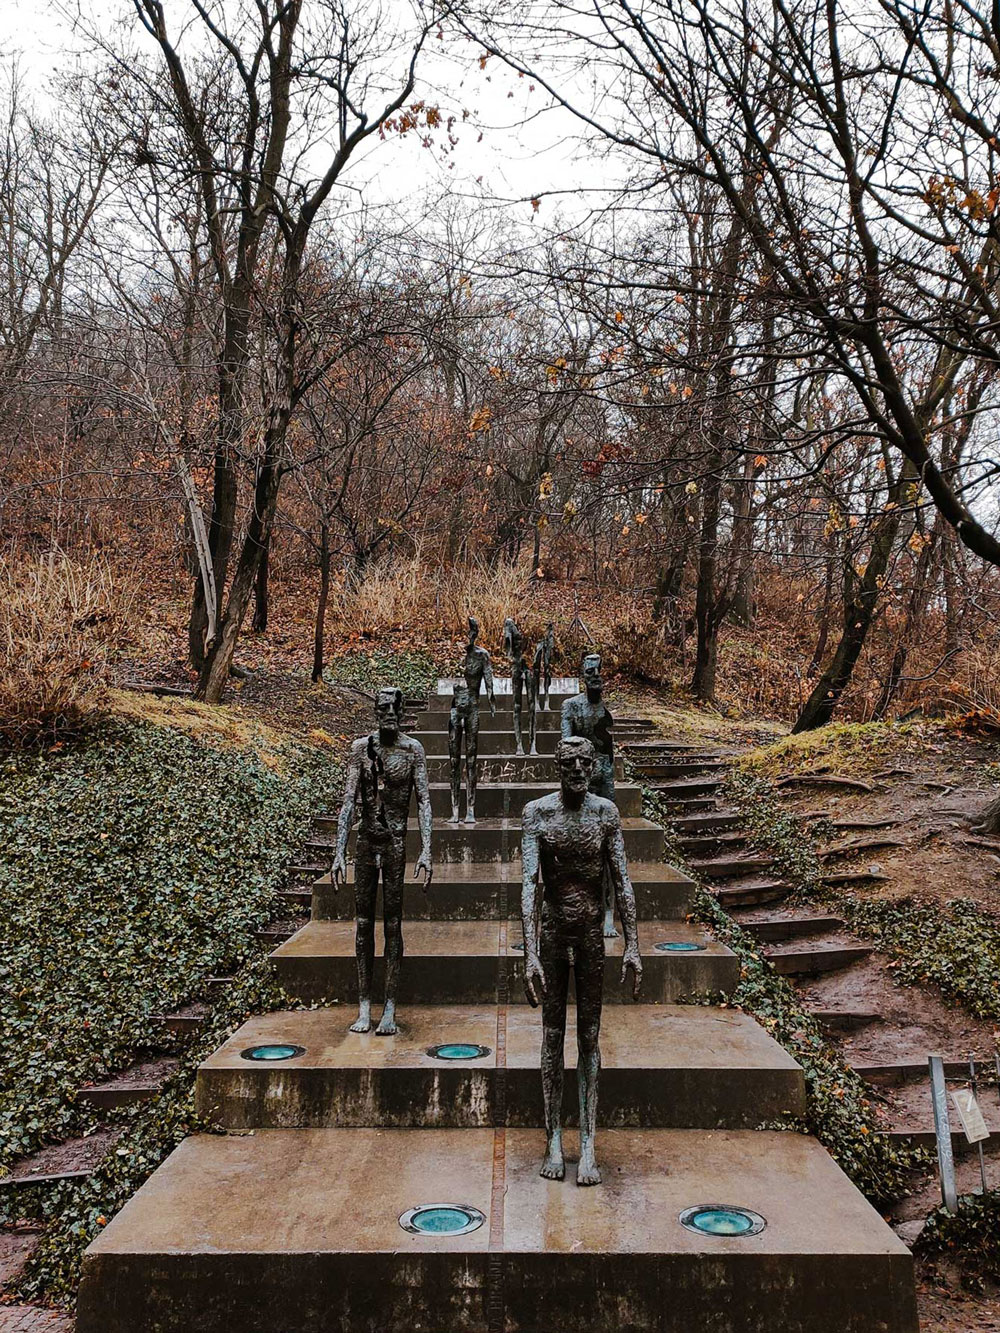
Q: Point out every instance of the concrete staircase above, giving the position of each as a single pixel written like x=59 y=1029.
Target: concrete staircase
x=293 y=1220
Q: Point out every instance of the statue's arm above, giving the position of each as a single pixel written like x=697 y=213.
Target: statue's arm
x=424 y=816
x=534 y=977
x=624 y=897
x=566 y=720
x=488 y=681
x=345 y=820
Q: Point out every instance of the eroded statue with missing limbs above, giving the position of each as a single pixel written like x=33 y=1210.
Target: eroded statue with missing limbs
x=384 y=770
x=463 y=724
x=522 y=685
x=567 y=840
x=586 y=714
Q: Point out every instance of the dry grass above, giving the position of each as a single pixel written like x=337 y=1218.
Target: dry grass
x=61 y=621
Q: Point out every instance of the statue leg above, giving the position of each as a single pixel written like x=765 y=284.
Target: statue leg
x=555 y=963
x=548 y=686
x=603 y=784
x=530 y=684
x=515 y=687
x=455 y=760
x=393 y=871
x=366 y=874
x=471 y=764
x=589 y=971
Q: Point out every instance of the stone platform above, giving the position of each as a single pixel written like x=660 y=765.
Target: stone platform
x=674 y=1067
x=507 y=800
x=297 y=1231
x=491 y=890
x=504 y=768
x=500 y=839
x=469 y=962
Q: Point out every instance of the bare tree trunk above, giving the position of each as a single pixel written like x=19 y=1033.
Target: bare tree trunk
x=261 y=598
x=819 y=652
x=324 y=597
x=706 y=597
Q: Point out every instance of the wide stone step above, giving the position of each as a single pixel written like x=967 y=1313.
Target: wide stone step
x=504 y=721
x=719 y=840
x=685 y=1066
x=458 y=962
x=679 y=770
x=753 y=893
x=714 y=819
x=491 y=890
x=500 y=839
x=683 y=789
x=730 y=867
x=791 y=927
x=507 y=768
x=813 y=962
x=490 y=742
x=846 y=1020
x=508 y=800
x=298 y=1231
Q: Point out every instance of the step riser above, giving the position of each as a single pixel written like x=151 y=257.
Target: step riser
x=801 y=965
x=450 y=1289
x=464 y=902
x=432 y=979
x=508 y=802
x=774 y=931
x=507 y=768
x=457 y=1098
x=674 y=770
x=504 y=721
x=490 y=742
x=459 y=844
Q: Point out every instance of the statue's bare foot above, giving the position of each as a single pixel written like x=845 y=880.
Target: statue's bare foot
x=470 y=815
x=587 y=1171
x=363 y=1022
x=534 y=750
x=454 y=817
x=519 y=750
x=554 y=1167
x=387 y=1026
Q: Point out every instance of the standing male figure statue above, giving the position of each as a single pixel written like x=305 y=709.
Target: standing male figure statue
x=463 y=721
x=587 y=715
x=383 y=771
x=542 y=666
x=567 y=841
x=522 y=683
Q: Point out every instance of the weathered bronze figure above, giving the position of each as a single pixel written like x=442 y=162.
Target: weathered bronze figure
x=383 y=771
x=567 y=840
x=542 y=666
x=522 y=685
x=587 y=715
x=463 y=722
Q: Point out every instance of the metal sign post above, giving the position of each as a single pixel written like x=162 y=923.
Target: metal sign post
x=942 y=1132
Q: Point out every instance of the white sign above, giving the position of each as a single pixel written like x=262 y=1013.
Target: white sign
x=502 y=685
x=970 y=1115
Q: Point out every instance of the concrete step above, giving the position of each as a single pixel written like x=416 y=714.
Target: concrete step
x=729 y=867
x=714 y=819
x=846 y=1020
x=680 y=769
x=491 y=890
x=490 y=742
x=508 y=768
x=457 y=962
x=437 y=720
x=683 y=789
x=915 y=1071
x=752 y=893
x=301 y=897
x=813 y=962
x=299 y=1230
x=507 y=800
x=500 y=839
x=684 y=1066
x=441 y=702
x=720 y=840
x=791 y=927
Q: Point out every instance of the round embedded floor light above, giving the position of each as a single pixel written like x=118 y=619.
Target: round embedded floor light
x=458 y=1050
x=278 y=1051
x=442 y=1219
x=678 y=946
x=721 y=1219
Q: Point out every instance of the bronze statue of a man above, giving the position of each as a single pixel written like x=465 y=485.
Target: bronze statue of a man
x=522 y=685
x=587 y=715
x=567 y=840
x=463 y=722
x=382 y=773
x=542 y=666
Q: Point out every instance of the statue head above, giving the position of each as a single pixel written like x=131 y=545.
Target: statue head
x=473 y=630
x=591 y=672
x=389 y=709
x=576 y=758
x=512 y=639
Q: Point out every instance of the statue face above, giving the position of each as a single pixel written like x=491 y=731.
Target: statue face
x=473 y=630
x=592 y=671
x=576 y=765
x=388 y=707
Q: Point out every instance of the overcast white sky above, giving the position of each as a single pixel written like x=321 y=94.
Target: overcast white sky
x=511 y=162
